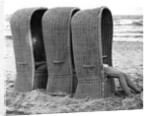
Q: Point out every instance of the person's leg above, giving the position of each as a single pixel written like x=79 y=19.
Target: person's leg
x=124 y=84
x=42 y=67
x=112 y=72
x=132 y=85
x=39 y=64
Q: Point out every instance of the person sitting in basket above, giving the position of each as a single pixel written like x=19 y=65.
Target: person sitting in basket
x=124 y=80
x=127 y=85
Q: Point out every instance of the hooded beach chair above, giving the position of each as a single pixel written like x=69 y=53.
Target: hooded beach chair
x=92 y=31
x=26 y=27
x=57 y=34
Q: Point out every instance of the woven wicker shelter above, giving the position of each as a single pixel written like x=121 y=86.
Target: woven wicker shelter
x=29 y=48
x=57 y=34
x=92 y=31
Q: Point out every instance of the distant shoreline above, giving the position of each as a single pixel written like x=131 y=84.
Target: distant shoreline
x=9 y=37
x=128 y=39
x=123 y=28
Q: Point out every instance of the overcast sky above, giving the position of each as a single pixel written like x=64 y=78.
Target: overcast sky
x=116 y=6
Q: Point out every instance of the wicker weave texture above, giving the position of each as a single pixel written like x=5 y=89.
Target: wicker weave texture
x=23 y=48
x=107 y=36
x=87 y=53
x=56 y=31
x=87 y=37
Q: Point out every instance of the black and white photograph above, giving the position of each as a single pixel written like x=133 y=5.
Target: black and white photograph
x=69 y=56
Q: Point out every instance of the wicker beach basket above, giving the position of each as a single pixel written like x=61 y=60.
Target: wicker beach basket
x=90 y=29
x=26 y=25
x=56 y=33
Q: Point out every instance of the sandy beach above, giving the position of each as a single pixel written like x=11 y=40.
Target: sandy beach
x=127 y=56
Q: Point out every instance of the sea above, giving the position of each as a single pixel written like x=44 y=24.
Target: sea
x=125 y=28
x=128 y=27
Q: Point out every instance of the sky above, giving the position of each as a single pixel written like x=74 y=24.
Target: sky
x=121 y=7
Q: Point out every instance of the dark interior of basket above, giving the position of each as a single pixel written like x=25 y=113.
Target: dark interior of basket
x=40 y=80
x=75 y=80
x=37 y=37
x=107 y=33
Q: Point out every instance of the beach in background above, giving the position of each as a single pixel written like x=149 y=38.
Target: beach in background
x=127 y=56
x=128 y=28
